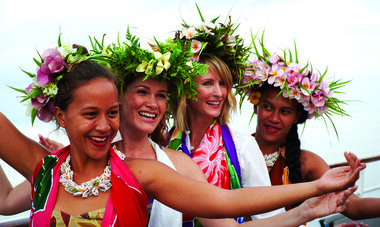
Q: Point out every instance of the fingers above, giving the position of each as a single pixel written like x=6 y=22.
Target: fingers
x=351 y=159
x=42 y=140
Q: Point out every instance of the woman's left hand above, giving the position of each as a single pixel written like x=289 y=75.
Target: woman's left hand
x=333 y=202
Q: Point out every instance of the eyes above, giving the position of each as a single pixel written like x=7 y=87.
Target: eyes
x=112 y=113
x=160 y=94
x=283 y=110
x=212 y=82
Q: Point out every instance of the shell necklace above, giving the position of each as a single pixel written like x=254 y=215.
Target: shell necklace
x=270 y=159
x=89 y=188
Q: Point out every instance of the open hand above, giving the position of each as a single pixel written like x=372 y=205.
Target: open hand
x=340 y=178
x=330 y=203
x=50 y=144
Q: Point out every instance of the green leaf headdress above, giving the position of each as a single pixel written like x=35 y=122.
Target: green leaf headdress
x=168 y=62
x=217 y=39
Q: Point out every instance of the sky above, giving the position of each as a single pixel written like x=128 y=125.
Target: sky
x=341 y=35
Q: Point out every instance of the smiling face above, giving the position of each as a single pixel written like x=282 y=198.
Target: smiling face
x=92 y=118
x=143 y=105
x=212 y=94
x=275 y=116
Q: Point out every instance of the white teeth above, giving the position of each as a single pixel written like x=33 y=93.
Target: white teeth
x=98 y=139
x=214 y=103
x=147 y=114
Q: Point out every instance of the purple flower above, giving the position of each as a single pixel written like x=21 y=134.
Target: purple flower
x=46 y=113
x=29 y=88
x=45 y=107
x=274 y=59
x=53 y=63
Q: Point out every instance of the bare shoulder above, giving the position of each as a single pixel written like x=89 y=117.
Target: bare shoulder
x=184 y=164
x=312 y=165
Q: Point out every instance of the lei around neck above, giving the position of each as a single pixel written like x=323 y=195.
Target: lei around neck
x=296 y=81
x=168 y=62
x=218 y=39
x=53 y=64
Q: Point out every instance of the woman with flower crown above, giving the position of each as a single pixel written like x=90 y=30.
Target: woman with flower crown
x=144 y=91
x=285 y=94
x=86 y=104
x=229 y=159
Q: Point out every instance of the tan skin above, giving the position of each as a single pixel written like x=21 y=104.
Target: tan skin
x=96 y=116
x=212 y=95
x=13 y=199
x=143 y=98
x=275 y=116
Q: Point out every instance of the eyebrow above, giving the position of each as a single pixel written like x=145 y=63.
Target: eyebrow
x=146 y=87
x=283 y=107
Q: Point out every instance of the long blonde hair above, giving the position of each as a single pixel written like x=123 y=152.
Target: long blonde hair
x=179 y=107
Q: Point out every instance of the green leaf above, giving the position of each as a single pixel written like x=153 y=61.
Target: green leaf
x=17 y=89
x=200 y=14
x=33 y=93
x=33 y=115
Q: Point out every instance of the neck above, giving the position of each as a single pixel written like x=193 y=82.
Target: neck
x=198 y=128
x=85 y=168
x=135 y=145
x=268 y=147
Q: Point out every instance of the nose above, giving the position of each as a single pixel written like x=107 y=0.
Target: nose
x=217 y=90
x=275 y=116
x=103 y=124
x=151 y=102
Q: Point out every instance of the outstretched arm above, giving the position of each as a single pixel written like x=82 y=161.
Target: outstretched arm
x=358 y=208
x=205 y=200
x=13 y=200
x=20 y=152
x=310 y=209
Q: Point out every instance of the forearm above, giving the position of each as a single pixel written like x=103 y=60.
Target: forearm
x=205 y=200
x=18 y=199
x=363 y=208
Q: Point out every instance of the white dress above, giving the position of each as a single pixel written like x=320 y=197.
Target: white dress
x=252 y=165
x=161 y=215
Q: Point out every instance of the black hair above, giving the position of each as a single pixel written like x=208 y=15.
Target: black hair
x=79 y=75
x=293 y=148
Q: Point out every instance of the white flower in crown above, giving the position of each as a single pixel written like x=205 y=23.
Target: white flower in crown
x=196 y=46
x=205 y=27
x=189 y=32
x=231 y=41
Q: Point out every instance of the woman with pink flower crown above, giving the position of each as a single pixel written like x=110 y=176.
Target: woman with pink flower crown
x=284 y=94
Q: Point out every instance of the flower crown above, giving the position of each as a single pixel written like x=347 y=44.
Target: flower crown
x=169 y=62
x=216 y=39
x=295 y=81
x=53 y=64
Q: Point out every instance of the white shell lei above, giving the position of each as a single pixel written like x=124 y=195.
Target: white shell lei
x=270 y=159
x=89 y=188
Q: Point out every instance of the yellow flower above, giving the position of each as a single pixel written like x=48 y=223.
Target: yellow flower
x=163 y=61
x=190 y=64
x=145 y=67
x=254 y=97
x=141 y=68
